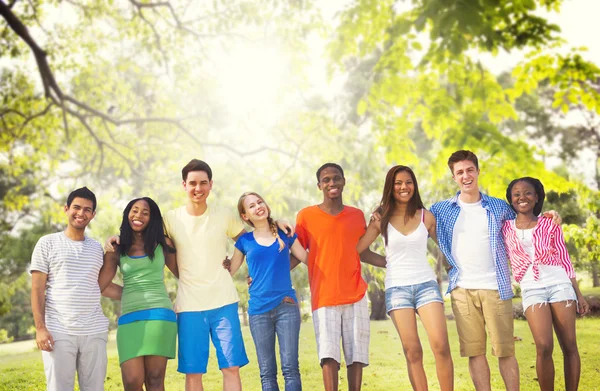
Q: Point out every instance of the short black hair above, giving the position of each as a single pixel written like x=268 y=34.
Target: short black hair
x=539 y=191
x=196 y=165
x=327 y=165
x=82 y=192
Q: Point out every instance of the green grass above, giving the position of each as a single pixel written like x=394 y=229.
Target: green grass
x=21 y=367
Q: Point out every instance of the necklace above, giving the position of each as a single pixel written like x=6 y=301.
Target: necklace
x=524 y=228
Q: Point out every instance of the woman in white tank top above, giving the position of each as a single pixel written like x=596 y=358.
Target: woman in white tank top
x=410 y=285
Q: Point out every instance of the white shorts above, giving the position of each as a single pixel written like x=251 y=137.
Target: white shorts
x=348 y=322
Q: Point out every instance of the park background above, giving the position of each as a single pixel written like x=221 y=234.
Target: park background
x=119 y=95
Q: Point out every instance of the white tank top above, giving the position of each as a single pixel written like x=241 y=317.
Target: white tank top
x=406 y=257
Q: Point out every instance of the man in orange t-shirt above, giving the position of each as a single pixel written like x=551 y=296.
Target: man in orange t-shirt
x=330 y=232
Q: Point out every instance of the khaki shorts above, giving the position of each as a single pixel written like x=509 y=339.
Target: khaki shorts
x=478 y=309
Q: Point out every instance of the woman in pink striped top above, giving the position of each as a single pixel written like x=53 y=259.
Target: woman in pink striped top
x=541 y=264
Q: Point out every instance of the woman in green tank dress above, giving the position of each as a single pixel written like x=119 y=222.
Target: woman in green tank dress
x=147 y=328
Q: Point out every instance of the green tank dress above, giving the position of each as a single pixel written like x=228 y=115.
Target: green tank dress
x=147 y=326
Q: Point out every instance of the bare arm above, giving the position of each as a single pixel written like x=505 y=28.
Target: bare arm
x=372 y=258
x=236 y=261
x=373 y=231
x=430 y=224
x=582 y=305
x=43 y=338
x=171 y=258
x=293 y=262
x=108 y=270
x=113 y=291
x=299 y=253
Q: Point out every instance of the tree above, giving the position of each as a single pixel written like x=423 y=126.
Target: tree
x=588 y=245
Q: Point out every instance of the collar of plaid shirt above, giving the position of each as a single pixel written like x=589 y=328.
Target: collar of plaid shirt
x=446 y=213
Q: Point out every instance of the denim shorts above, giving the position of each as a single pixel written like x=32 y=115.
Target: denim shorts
x=412 y=296
x=550 y=294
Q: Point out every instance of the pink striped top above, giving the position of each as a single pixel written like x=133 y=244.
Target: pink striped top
x=549 y=244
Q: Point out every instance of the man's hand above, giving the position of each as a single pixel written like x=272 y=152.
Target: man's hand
x=286 y=227
x=227 y=264
x=552 y=214
x=44 y=340
x=111 y=243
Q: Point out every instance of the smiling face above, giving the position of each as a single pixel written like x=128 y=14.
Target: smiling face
x=255 y=209
x=523 y=197
x=331 y=182
x=80 y=213
x=404 y=187
x=139 y=216
x=197 y=186
x=466 y=175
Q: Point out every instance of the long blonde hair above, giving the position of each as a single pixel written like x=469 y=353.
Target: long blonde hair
x=272 y=225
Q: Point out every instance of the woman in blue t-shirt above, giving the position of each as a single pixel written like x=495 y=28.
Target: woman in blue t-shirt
x=273 y=307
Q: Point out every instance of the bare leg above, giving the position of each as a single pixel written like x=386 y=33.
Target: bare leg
x=354 y=373
x=132 y=373
x=330 y=369
x=539 y=318
x=231 y=379
x=406 y=323
x=509 y=370
x=193 y=382
x=434 y=321
x=563 y=318
x=480 y=373
x=156 y=366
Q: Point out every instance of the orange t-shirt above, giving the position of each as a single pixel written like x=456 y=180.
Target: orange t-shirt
x=334 y=270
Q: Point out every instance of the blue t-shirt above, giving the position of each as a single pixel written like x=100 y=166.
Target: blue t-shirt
x=269 y=269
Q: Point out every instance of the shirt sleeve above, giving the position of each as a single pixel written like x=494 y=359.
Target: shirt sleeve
x=234 y=225
x=562 y=252
x=167 y=224
x=39 y=258
x=301 y=231
x=290 y=240
x=240 y=244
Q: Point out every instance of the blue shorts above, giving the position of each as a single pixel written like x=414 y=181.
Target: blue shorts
x=223 y=326
x=412 y=296
x=550 y=294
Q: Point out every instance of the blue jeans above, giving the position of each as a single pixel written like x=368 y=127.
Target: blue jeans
x=412 y=296
x=283 y=321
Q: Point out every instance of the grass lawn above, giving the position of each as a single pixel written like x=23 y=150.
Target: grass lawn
x=21 y=367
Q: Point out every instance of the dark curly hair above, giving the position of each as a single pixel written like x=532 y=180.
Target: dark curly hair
x=539 y=191
x=154 y=233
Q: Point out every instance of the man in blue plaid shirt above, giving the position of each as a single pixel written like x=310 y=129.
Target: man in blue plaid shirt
x=469 y=234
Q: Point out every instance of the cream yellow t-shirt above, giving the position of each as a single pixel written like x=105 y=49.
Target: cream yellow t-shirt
x=201 y=243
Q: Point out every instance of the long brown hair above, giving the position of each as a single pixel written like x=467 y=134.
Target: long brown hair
x=272 y=225
x=388 y=203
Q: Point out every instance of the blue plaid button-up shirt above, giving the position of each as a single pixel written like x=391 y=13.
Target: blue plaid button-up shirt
x=446 y=213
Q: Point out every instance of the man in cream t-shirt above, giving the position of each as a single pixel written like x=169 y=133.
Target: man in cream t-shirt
x=206 y=303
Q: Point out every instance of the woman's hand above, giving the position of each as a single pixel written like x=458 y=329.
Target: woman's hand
x=582 y=305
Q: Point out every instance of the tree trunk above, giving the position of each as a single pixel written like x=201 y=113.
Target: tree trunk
x=377 y=297
x=245 y=316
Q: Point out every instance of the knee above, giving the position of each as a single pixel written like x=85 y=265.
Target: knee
x=132 y=382
x=414 y=354
x=544 y=348
x=441 y=350
x=233 y=372
x=570 y=348
x=154 y=380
